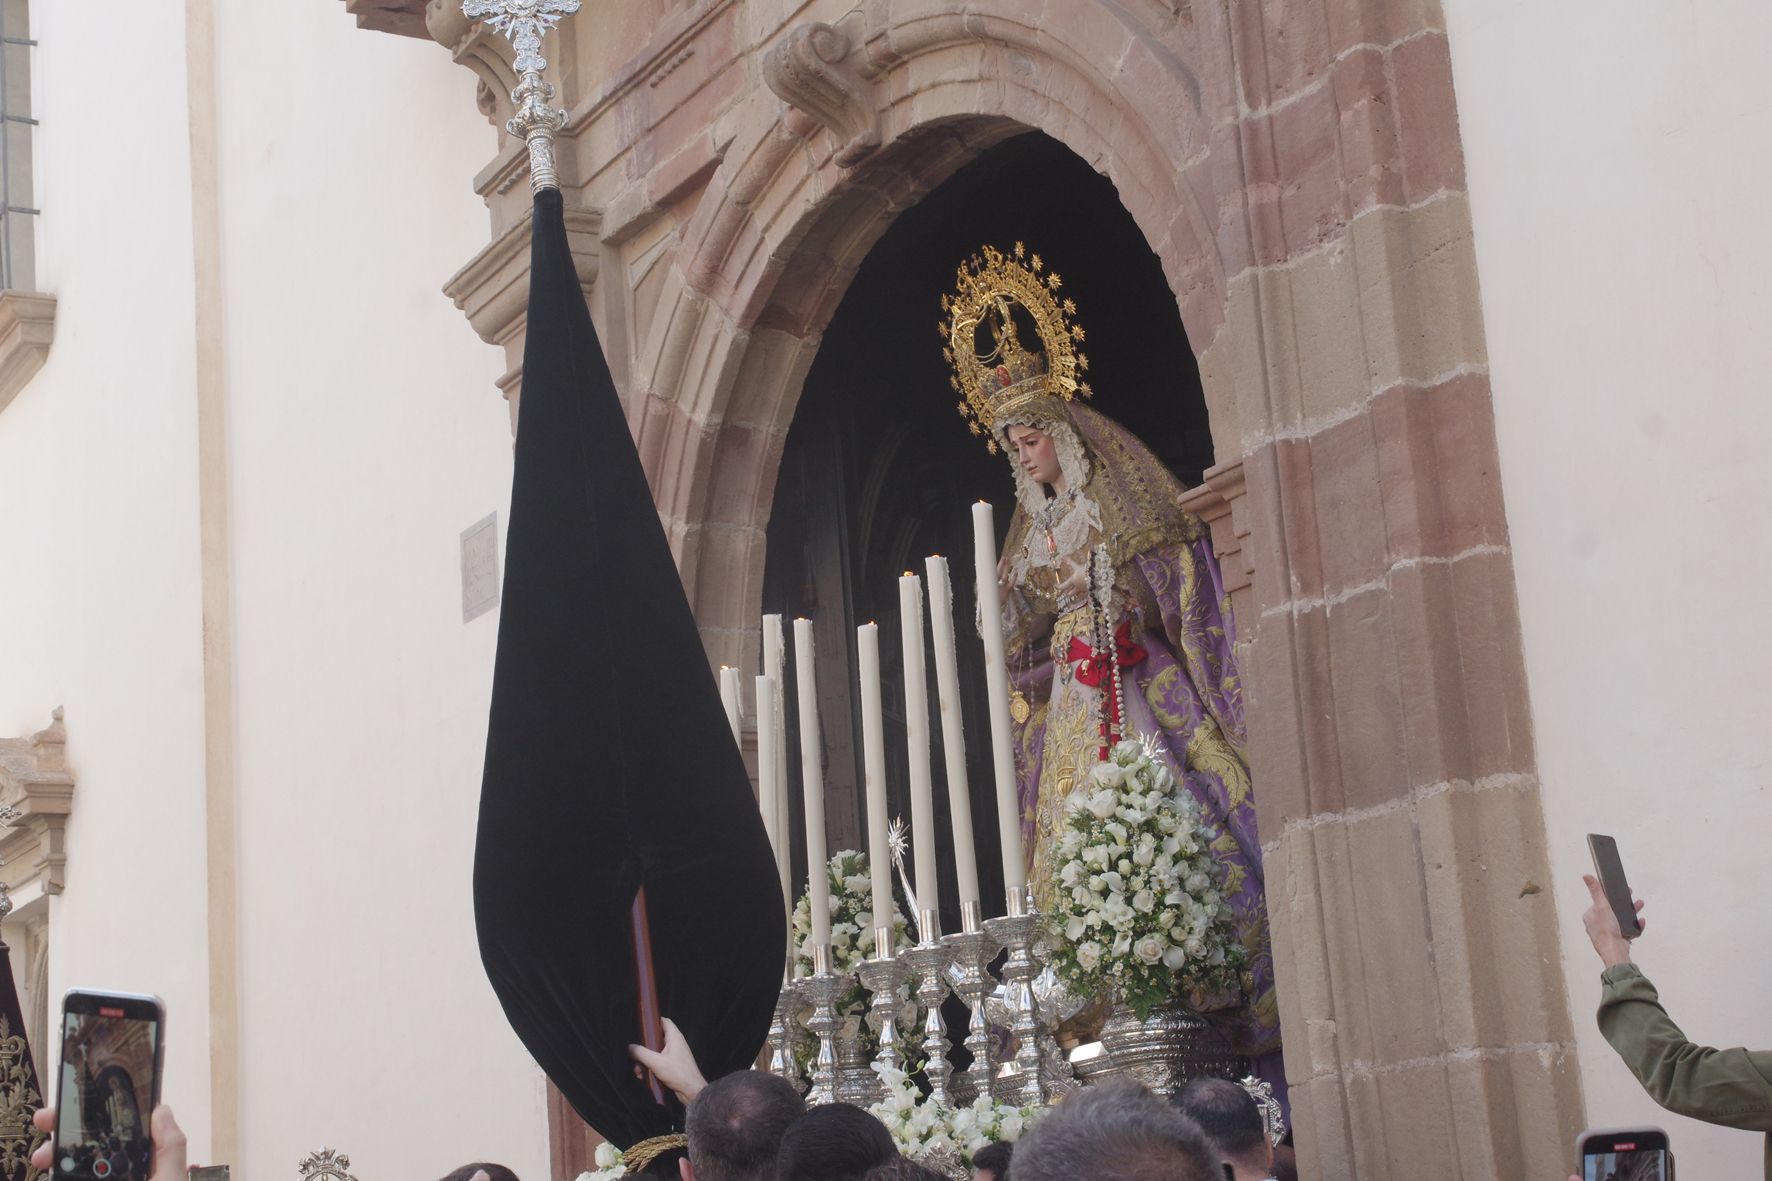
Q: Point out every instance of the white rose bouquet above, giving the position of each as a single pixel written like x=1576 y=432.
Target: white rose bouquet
x=939 y=1136
x=852 y=917
x=852 y=941
x=609 y=1164
x=1136 y=906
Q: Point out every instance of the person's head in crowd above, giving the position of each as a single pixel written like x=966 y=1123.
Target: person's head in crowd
x=1232 y=1123
x=482 y=1171
x=902 y=1169
x=991 y=1163
x=736 y=1124
x=835 y=1142
x=1115 y=1130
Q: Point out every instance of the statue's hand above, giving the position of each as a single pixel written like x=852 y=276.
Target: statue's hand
x=1073 y=582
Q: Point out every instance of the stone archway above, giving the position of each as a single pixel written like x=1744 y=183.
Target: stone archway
x=1297 y=169
x=1336 y=323
x=785 y=223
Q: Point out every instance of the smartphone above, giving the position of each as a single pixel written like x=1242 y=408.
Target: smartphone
x=1610 y=870
x=113 y=1044
x=1624 y=1154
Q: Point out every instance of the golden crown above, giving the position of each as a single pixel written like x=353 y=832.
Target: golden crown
x=1007 y=380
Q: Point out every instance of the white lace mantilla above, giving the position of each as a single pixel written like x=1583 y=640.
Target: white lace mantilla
x=1072 y=518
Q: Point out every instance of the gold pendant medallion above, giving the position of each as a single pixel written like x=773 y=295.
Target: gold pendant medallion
x=1018 y=708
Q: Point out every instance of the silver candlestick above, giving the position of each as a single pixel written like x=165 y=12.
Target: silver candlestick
x=822 y=990
x=783 y=1036
x=971 y=951
x=1017 y=931
x=883 y=976
x=929 y=960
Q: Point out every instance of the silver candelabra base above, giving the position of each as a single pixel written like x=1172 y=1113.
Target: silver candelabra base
x=971 y=951
x=823 y=990
x=929 y=961
x=784 y=1034
x=883 y=976
x=1029 y=1081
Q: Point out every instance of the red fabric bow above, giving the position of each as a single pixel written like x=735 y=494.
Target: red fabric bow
x=1092 y=668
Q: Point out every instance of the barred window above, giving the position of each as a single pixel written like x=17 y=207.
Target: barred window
x=18 y=211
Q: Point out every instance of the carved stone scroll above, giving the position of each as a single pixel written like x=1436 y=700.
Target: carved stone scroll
x=809 y=69
x=36 y=785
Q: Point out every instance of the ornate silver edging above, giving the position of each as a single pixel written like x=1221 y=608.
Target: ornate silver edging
x=326 y=1165
x=526 y=22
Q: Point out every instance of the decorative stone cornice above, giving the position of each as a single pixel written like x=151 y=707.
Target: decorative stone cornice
x=1219 y=502
x=405 y=17
x=493 y=289
x=34 y=779
x=810 y=70
x=27 y=325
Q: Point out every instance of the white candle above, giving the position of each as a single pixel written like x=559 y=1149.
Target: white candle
x=873 y=758
x=996 y=671
x=953 y=730
x=770 y=783
x=773 y=654
x=818 y=883
x=729 y=699
x=916 y=728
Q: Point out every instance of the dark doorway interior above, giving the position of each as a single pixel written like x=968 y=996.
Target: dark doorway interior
x=879 y=469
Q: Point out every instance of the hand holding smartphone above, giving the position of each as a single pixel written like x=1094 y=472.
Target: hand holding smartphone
x=1610 y=870
x=113 y=1046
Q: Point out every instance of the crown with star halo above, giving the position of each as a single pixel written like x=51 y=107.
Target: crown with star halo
x=1008 y=382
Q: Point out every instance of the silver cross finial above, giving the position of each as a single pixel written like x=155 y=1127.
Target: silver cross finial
x=525 y=22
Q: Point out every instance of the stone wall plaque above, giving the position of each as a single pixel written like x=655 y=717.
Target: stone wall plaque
x=479 y=568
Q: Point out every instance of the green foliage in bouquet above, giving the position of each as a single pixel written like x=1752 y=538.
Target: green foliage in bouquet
x=1136 y=902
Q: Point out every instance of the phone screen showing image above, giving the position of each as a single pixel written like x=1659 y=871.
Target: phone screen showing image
x=107 y=1091
x=1643 y=1164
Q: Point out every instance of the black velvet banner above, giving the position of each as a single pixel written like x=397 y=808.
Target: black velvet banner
x=609 y=760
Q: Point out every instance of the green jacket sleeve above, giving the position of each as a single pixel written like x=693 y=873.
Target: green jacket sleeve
x=1729 y=1087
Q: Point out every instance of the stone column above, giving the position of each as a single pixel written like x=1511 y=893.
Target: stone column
x=1427 y=1032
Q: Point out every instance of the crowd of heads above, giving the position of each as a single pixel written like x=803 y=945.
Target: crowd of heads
x=753 y=1126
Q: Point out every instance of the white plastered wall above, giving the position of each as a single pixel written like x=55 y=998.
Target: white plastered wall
x=1618 y=160
x=365 y=434
x=100 y=606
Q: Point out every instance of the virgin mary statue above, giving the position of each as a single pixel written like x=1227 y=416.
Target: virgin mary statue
x=1116 y=616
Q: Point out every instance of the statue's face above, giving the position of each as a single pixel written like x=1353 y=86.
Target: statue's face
x=1035 y=453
